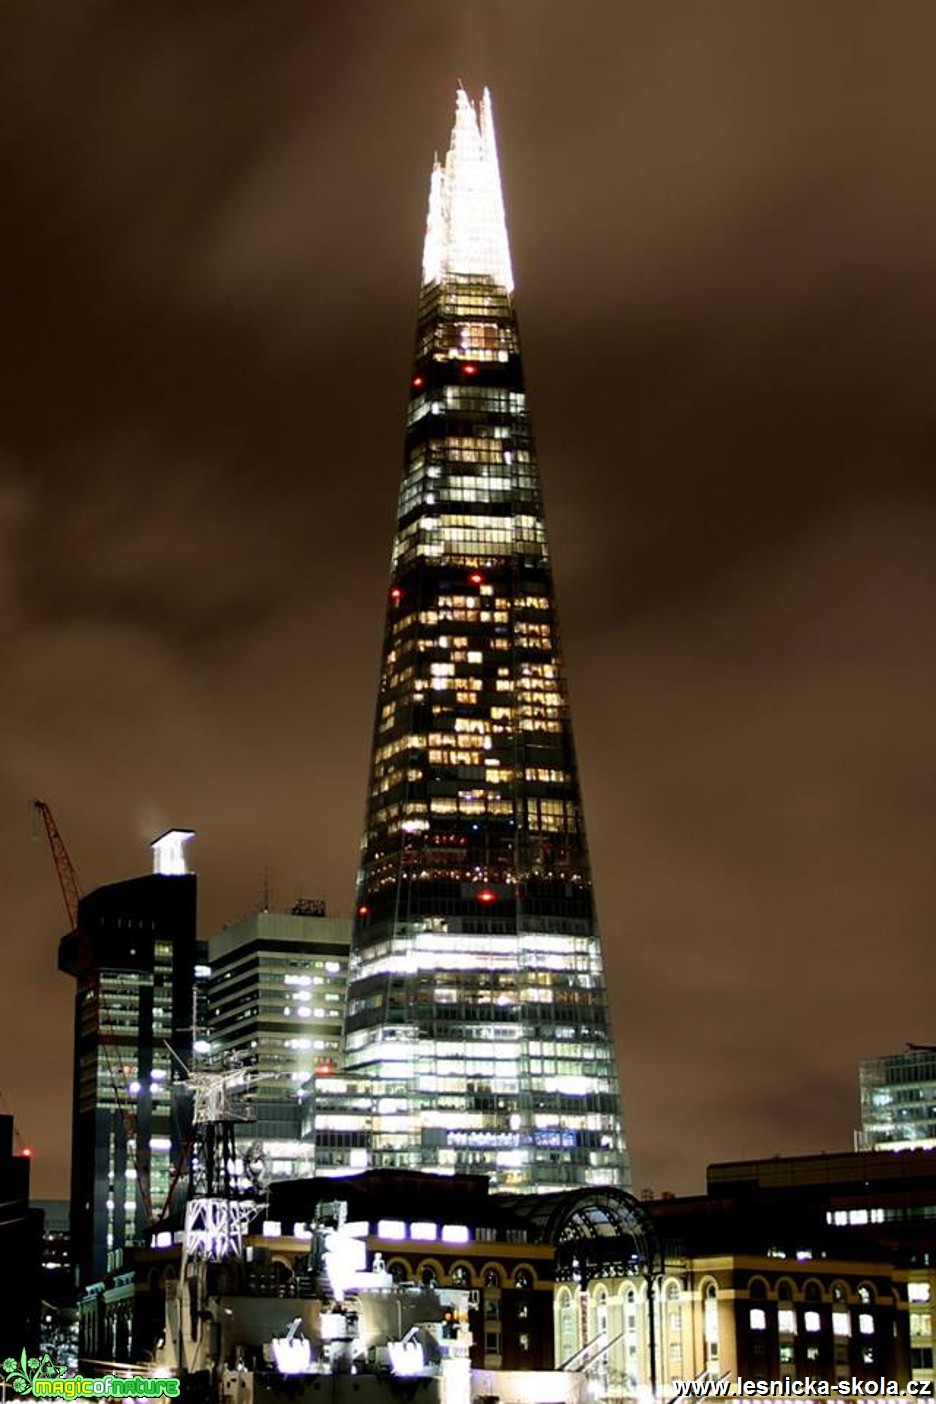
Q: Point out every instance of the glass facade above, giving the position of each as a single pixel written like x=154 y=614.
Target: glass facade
x=277 y=999
x=898 y=1101
x=477 y=1004
x=139 y=975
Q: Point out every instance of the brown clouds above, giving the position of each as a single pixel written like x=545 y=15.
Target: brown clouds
x=764 y=809
x=723 y=227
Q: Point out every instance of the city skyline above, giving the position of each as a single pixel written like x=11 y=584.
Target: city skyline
x=724 y=232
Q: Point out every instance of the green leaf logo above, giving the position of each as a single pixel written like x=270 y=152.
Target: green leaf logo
x=22 y=1374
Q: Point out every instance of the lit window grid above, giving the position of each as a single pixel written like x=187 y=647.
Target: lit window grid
x=898 y=1101
x=282 y=1014
x=482 y=666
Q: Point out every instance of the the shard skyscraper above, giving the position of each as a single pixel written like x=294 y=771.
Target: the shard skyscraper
x=477 y=1006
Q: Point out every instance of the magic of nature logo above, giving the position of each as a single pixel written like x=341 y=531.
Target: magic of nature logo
x=22 y=1374
x=40 y=1377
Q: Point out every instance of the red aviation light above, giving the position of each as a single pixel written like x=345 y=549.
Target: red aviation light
x=26 y=1152
x=363 y=911
x=469 y=369
x=418 y=382
x=476 y=578
x=486 y=895
x=396 y=594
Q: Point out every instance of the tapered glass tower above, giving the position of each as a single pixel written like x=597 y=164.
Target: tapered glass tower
x=477 y=1006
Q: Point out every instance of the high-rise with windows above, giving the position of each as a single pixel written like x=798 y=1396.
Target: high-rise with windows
x=477 y=1005
x=138 y=968
x=276 y=1002
x=898 y=1101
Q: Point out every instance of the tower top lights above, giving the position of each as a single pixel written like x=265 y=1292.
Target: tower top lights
x=466 y=230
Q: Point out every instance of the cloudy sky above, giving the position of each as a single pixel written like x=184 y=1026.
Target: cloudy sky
x=724 y=231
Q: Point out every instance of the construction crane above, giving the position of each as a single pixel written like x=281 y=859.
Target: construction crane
x=64 y=867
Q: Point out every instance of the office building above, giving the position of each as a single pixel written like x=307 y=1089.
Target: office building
x=898 y=1101
x=276 y=1001
x=137 y=966
x=477 y=1003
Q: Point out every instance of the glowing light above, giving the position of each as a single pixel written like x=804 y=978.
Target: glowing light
x=391 y=1228
x=363 y=911
x=476 y=578
x=466 y=231
x=396 y=593
x=417 y=382
x=345 y=1257
x=469 y=370
x=406 y=1357
x=26 y=1152
x=169 y=852
x=486 y=895
x=292 y=1353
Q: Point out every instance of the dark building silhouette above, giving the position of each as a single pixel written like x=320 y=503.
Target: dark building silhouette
x=59 y=1304
x=134 y=956
x=477 y=1004
x=20 y=1252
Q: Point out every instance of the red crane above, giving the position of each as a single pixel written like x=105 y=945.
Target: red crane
x=68 y=878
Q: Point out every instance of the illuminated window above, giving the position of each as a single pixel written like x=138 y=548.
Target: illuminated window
x=391 y=1228
x=710 y=1319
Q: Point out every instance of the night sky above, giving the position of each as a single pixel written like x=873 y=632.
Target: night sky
x=723 y=224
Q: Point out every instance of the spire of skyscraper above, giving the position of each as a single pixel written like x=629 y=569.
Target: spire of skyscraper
x=477 y=1006
x=466 y=231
